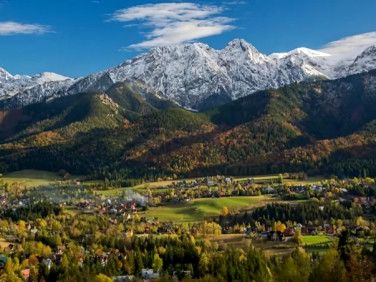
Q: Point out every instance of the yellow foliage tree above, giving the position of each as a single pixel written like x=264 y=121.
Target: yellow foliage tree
x=102 y=278
x=280 y=227
x=225 y=211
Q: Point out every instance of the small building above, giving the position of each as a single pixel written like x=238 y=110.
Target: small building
x=211 y=183
x=290 y=231
x=123 y=278
x=25 y=274
x=147 y=273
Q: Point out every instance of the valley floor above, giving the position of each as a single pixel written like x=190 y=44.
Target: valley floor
x=48 y=213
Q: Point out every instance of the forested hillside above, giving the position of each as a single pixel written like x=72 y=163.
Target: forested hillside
x=317 y=127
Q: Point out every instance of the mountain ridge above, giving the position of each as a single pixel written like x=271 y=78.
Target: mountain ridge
x=195 y=75
x=324 y=126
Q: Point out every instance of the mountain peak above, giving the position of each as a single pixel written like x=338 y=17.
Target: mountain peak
x=241 y=49
x=5 y=74
x=299 y=52
x=241 y=44
x=179 y=47
x=194 y=75
x=369 y=51
x=50 y=76
x=366 y=61
x=309 y=52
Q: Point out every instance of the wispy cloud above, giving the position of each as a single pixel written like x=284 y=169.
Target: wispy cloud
x=174 y=23
x=349 y=47
x=13 y=28
x=235 y=2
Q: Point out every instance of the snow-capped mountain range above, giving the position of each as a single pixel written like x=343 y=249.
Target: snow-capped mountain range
x=193 y=75
x=29 y=89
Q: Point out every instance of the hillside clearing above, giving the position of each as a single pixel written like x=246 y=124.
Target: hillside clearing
x=199 y=209
x=31 y=178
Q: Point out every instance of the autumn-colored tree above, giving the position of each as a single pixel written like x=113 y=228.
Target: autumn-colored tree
x=203 y=264
x=279 y=227
x=157 y=263
x=225 y=211
x=102 y=278
x=329 y=268
x=298 y=238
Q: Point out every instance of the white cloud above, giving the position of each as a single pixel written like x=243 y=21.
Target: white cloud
x=235 y=2
x=349 y=47
x=174 y=23
x=12 y=28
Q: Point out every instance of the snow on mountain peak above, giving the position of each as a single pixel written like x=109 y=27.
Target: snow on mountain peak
x=302 y=51
x=364 y=62
x=29 y=89
x=50 y=76
x=194 y=75
x=244 y=50
x=4 y=74
x=240 y=43
x=370 y=51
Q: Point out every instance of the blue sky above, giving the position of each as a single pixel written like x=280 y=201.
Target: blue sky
x=78 y=37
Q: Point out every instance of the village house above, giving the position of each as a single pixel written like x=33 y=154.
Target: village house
x=123 y=278
x=147 y=273
x=25 y=274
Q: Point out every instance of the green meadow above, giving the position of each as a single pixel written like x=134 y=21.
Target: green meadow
x=199 y=209
x=312 y=240
x=31 y=178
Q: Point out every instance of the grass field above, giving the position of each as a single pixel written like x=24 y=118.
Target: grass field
x=31 y=178
x=312 y=240
x=287 y=181
x=309 y=180
x=200 y=209
x=162 y=185
x=272 y=248
x=257 y=179
x=269 y=248
x=157 y=184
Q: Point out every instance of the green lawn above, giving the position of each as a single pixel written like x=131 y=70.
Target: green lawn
x=93 y=182
x=200 y=209
x=309 y=180
x=258 y=177
x=311 y=240
x=273 y=248
x=160 y=185
x=31 y=178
